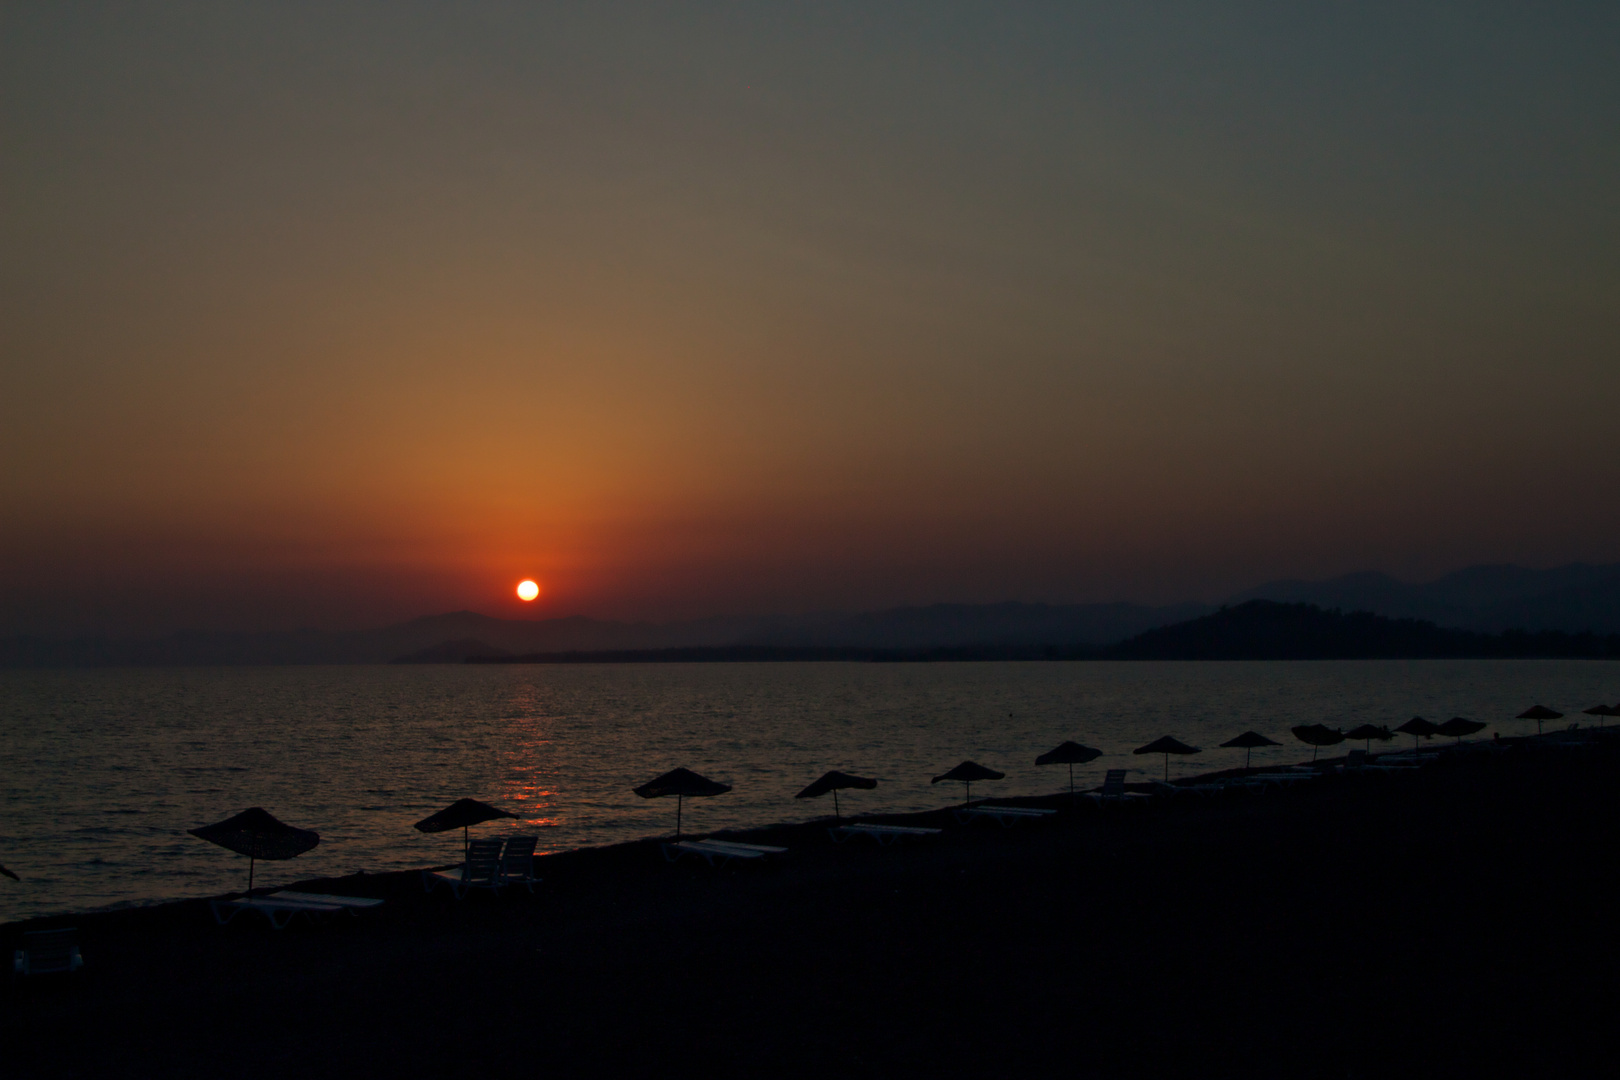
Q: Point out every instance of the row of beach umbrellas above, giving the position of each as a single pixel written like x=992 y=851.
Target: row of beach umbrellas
x=259 y=835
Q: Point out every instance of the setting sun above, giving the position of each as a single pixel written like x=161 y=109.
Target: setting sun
x=527 y=590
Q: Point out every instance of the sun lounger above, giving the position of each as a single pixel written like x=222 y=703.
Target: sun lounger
x=762 y=849
x=482 y=870
x=280 y=912
x=1284 y=779
x=719 y=852
x=1005 y=816
x=352 y=904
x=46 y=952
x=1213 y=787
x=517 y=862
x=1113 y=790
x=883 y=834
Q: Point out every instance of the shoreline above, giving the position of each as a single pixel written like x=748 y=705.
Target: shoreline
x=1230 y=935
x=769 y=833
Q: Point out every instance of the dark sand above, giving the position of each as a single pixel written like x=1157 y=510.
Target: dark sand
x=1456 y=921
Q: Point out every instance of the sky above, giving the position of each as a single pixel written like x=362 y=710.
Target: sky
x=335 y=314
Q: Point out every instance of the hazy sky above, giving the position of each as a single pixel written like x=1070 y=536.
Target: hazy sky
x=331 y=314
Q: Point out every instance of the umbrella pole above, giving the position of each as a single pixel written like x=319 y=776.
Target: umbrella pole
x=967 y=796
x=836 y=815
x=1071 y=779
x=464 y=845
x=677 y=817
x=250 y=873
x=1167 y=768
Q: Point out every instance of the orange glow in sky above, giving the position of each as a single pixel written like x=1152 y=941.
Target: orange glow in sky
x=1054 y=303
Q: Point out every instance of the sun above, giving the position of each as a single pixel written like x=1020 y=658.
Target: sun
x=528 y=590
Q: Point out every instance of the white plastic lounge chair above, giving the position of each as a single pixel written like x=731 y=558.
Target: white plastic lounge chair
x=1360 y=763
x=883 y=834
x=1213 y=787
x=46 y=952
x=1113 y=790
x=762 y=849
x=1005 y=816
x=482 y=870
x=1284 y=779
x=280 y=912
x=517 y=862
x=352 y=904
x=719 y=852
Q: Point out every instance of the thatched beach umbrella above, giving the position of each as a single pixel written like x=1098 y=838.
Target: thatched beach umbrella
x=1166 y=746
x=1459 y=726
x=835 y=782
x=461 y=814
x=1070 y=754
x=1600 y=711
x=1538 y=713
x=683 y=784
x=258 y=835
x=967 y=772
x=1318 y=736
x=1417 y=727
x=1247 y=742
x=1369 y=733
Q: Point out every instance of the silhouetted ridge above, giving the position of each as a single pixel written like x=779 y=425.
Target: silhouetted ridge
x=1267 y=630
x=1485 y=599
x=452 y=652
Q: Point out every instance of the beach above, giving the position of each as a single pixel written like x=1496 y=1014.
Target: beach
x=1458 y=919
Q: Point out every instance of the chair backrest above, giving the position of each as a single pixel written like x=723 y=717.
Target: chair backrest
x=1114 y=782
x=517 y=861
x=1356 y=759
x=483 y=860
x=50 y=950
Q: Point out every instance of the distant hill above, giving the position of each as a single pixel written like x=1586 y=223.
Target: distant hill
x=453 y=652
x=1488 y=599
x=1267 y=630
x=1485 y=600
x=455 y=636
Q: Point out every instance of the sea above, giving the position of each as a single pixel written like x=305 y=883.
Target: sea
x=104 y=770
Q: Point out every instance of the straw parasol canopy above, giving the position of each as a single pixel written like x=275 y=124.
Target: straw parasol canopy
x=1538 y=713
x=1166 y=746
x=683 y=784
x=835 y=782
x=1247 y=743
x=967 y=772
x=461 y=814
x=1318 y=736
x=1369 y=733
x=258 y=835
x=1459 y=726
x=1070 y=754
x=1600 y=711
x=1419 y=727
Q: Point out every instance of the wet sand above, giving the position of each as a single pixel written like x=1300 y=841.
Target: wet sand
x=1458 y=919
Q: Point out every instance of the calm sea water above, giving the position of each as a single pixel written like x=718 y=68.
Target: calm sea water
x=104 y=771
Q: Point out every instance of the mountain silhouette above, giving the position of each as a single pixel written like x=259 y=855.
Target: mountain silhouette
x=1489 y=599
x=1267 y=630
x=1483 y=600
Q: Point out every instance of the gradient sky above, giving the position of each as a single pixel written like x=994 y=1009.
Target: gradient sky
x=333 y=314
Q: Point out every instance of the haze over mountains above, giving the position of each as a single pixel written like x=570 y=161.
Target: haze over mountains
x=1487 y=599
